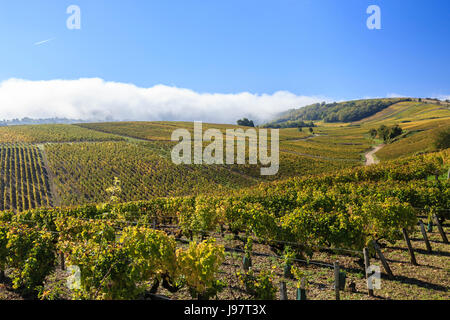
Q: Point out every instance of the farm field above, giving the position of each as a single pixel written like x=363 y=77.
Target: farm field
x=409 y=111
x=419 y=121
x=414 y=142
x=78 y=179
x=325 y=149
x=309 y=223
x=428 y=281
x=224 y=159
x=99 y=195
x=51 y=133
x=162 y=131
x=83 y=162
x=24 y=180
x=84 y=171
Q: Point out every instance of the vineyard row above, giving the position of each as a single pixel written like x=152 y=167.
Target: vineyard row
x=23 y=181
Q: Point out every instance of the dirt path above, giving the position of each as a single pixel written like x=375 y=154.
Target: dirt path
x=370 y=155
x=304 y=138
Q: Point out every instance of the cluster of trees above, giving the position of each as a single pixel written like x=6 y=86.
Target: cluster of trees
x=291 y=124
x=311 y=130
x=433 y=100
x=386 y=133
x=338 y=112
x=245 y=123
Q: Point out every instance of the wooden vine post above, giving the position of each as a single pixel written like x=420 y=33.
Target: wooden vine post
x=283 y=291
x=383 y=260
x=366 y=265
x=410 y=248
x=301 y=292
x=441 y=230
x=425 y=236
x=63 y=263
x=337 y=280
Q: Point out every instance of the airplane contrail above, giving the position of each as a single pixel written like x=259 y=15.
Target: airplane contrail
x=44 y=41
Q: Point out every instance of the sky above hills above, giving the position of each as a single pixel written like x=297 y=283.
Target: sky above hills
x=215 y=60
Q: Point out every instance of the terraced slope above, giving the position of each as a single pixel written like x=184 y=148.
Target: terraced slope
x=409 y=111
x=420 y=121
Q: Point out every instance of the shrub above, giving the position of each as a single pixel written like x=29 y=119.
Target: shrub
x=442 y=140
x=199 y=266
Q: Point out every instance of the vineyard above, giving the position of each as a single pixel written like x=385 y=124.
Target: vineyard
x=416 y=141
x=24 y=180
x=52 y=133
x=83 y=172
x=151 y=131
x=202 y=247
x=103 y=208
x=82 y=162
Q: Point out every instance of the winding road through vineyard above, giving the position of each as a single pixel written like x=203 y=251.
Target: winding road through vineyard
x=370 y=159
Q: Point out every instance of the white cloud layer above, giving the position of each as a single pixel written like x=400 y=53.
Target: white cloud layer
x=94 y=99
x=396 y=95
x=443 y=97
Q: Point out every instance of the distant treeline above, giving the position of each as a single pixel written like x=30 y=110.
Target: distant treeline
x=290 y=124
x=26 y=121
x=336 y=112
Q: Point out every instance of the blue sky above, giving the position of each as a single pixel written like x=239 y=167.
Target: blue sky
x=314 y=48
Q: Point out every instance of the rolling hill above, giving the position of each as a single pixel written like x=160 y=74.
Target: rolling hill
x=79 y=162
x=93 y=194
x=421 y=120
x=348 y=111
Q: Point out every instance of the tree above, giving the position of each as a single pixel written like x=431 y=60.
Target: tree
x=386 y=133
x=394 y=131
x=373 y=133
x=442 y=140
x=245 y=122
x=383 y=132
x=311 y=130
